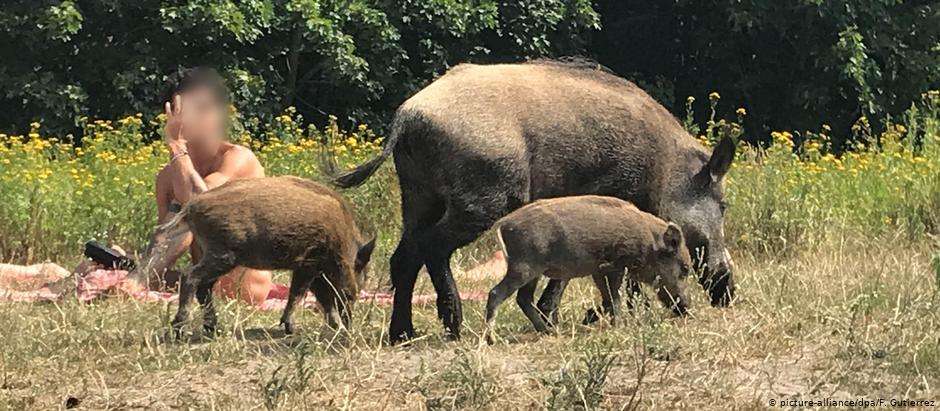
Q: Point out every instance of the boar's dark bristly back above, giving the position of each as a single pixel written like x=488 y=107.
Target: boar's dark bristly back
x=358 y=175
x=574 y=62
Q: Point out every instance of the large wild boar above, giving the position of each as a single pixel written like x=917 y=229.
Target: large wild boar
x=483 y=140
x=604 y=237
x=275 y=223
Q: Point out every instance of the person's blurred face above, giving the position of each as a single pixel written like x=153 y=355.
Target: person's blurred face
x=205 y=118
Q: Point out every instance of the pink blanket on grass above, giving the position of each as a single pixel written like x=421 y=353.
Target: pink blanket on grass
x=101 y=283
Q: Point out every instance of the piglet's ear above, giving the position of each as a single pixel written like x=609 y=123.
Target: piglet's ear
x=672 y=238
x=364 y=254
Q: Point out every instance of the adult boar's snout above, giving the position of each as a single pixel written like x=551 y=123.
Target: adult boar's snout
x=717 y=279
x=725 y=264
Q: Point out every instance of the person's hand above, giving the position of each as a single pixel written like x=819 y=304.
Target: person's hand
x=87 y=266
x=173 y=132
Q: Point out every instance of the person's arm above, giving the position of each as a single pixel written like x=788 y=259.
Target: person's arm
x=237 y=162
x=159 y=256
x=163 y=193
x=184 y=179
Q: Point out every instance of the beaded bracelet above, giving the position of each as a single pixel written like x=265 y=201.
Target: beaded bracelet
x=178 y=156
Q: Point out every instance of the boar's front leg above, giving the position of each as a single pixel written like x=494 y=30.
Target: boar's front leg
x=299 y=284
x=333 y=304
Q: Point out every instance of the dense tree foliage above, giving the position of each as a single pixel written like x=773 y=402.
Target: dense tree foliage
x=105 y=58
x=791 y=63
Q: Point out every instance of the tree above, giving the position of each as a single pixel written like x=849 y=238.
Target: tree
x=791 y=63
x=355 y=58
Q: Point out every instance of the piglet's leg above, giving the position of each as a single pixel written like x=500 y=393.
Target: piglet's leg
x=299 y=284
x=633 y=292
x=204 y=296
x=199 y=281
x=525 y=298
x=214 y=265
x=187 y=290
x=615 y=280
x=609 y=286
x=516 y=277
x=551 y=297
x=330 y=301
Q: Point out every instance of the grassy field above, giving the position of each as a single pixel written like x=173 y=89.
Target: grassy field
x=837 y=258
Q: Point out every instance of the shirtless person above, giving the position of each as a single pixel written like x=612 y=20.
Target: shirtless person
x=196 y=107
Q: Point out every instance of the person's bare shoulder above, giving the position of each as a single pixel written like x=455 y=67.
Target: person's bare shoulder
x=245 y=160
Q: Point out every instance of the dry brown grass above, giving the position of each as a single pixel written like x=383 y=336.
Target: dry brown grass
x=855 y=319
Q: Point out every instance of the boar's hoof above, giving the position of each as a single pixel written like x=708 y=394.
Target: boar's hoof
x=591 y=317
x=210 y=330
x=549 y=315
x=400 y=336
x=452 y=335
x=720 y=288
x=176 y=331
x=721 y=294
x=680 y=309
x=288 y=327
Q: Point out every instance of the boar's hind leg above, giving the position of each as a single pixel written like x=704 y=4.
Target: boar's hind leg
x=438 y=245
x=470 y=209
x=404 y=266
x=199 y=281
x=420 y=209
x=299 y=284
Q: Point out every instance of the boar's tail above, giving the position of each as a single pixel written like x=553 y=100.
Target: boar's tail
x=361 y=173
x=502 y=243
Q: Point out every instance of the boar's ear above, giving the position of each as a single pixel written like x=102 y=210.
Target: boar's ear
x=672 y=238
x=364 y=254
x=720 y=161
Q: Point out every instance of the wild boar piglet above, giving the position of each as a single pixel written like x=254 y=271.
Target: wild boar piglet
x=277 y=223
x=605 y=237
